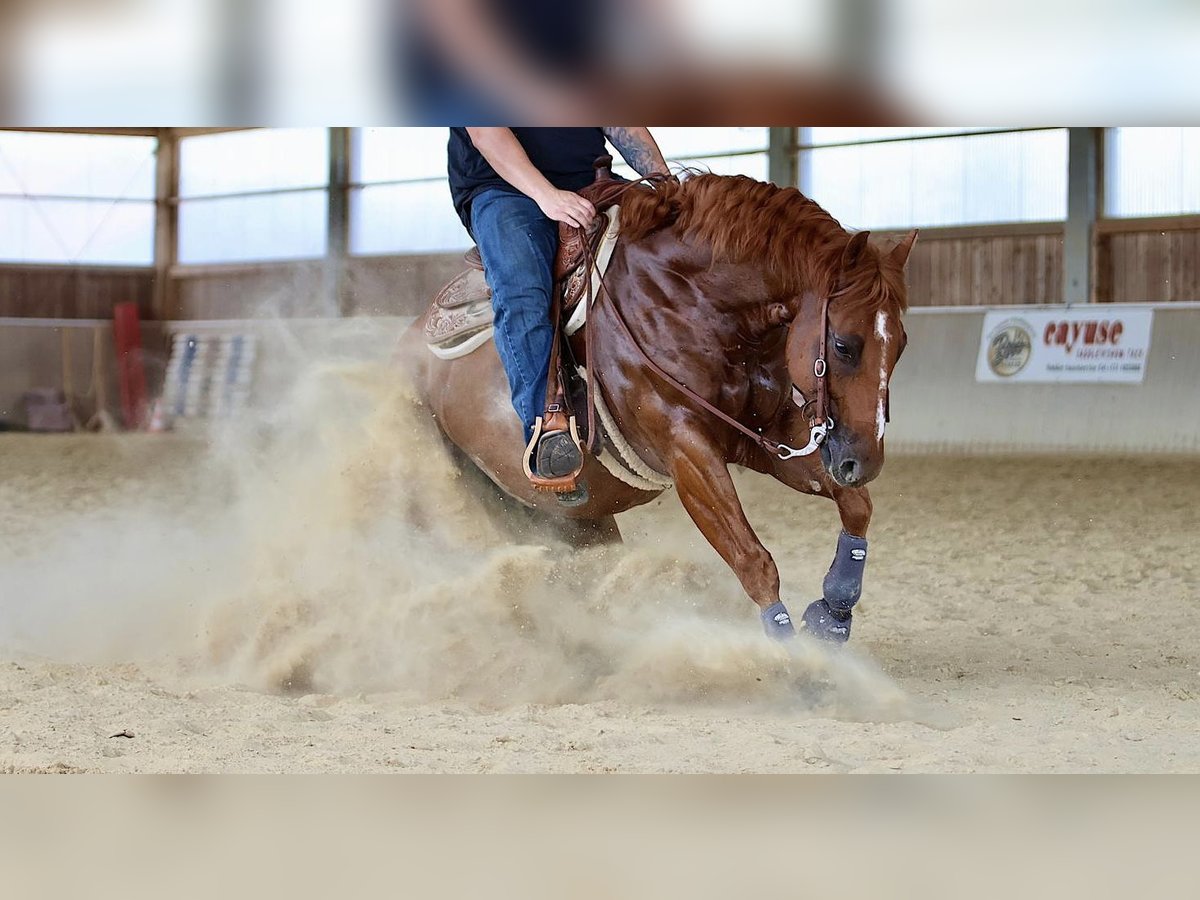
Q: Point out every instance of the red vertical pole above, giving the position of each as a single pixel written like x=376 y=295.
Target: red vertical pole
x=127 y=335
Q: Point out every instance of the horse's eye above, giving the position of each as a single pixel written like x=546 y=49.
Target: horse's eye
x=841 y=348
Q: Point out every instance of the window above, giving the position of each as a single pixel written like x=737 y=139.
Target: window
x=400 y=198
x=76 y=198
x=905 y=177
x=1151 y=171
x=723 y=151
x=254 y=195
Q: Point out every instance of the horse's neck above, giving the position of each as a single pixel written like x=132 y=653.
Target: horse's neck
x=666 y=276
x=678 y=312
x=709 y=321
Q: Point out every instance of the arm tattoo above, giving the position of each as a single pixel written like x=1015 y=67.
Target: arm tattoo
x=640 y=153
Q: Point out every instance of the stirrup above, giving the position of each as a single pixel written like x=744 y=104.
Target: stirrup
x=556 y=484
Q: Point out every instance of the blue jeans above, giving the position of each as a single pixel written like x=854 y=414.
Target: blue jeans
x=517 y=243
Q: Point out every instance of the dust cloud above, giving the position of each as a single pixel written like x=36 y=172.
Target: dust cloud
x=333 y=545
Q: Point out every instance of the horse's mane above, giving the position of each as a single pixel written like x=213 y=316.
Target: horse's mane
x=748 y=221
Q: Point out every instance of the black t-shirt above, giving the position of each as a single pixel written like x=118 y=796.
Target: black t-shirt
x=563 y=155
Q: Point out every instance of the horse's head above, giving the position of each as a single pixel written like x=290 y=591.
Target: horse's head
x=864 y=337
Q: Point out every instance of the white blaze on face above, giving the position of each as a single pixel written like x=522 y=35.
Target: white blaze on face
x=881 y=321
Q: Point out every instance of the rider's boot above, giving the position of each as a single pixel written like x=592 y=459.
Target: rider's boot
x=558 y=456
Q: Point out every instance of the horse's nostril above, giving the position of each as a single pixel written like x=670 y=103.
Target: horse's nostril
x=849 y=470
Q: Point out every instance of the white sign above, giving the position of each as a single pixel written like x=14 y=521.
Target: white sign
x=1093 y=343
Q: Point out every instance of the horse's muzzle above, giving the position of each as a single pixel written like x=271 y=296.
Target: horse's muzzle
x=843 y=463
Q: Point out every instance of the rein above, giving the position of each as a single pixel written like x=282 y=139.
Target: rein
x=819 y=426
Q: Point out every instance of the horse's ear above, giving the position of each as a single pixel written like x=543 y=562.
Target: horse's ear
x=898 y=255
x=854 y=249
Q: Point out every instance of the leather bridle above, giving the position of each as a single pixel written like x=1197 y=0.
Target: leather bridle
x=820 y=424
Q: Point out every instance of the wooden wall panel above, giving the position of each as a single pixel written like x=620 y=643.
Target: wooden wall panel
x=964 y=268
x=1135 y=261
x=376 y=286
x=1145 y=265
x=284 y=290
x=397 y=285
x=72 y=292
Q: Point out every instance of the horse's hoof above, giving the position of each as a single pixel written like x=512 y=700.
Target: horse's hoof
x=823 y=623
x=777 y=622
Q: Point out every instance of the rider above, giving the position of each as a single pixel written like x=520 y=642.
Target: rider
x=511 y=186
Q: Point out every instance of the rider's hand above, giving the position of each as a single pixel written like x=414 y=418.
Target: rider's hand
x=566 y=206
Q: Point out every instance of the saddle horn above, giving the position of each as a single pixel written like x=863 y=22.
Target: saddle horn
x=602 y=168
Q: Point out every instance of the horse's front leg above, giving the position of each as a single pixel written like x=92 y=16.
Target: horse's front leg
x=706 y=490
x=829 y=618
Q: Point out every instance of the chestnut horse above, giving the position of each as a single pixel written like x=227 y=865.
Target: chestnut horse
x=727 y=293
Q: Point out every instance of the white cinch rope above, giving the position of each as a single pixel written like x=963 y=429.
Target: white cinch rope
x=627 y=466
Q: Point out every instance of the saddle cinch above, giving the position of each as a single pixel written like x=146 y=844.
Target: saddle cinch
x=459 y=320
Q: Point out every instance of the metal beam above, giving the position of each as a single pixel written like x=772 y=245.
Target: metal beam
x=1083 y=189
x=166 y=221
x=781 y=156
x=338 y=249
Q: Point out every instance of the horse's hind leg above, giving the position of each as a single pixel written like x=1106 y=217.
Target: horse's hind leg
x=829 y=618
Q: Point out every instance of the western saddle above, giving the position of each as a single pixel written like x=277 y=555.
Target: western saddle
x=460 y=318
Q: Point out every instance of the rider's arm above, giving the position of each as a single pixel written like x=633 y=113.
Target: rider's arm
x=639 y=149
x=501 y=148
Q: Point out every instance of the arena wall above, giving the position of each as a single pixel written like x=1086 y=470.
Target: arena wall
x=937 y=406
x=74 y=355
